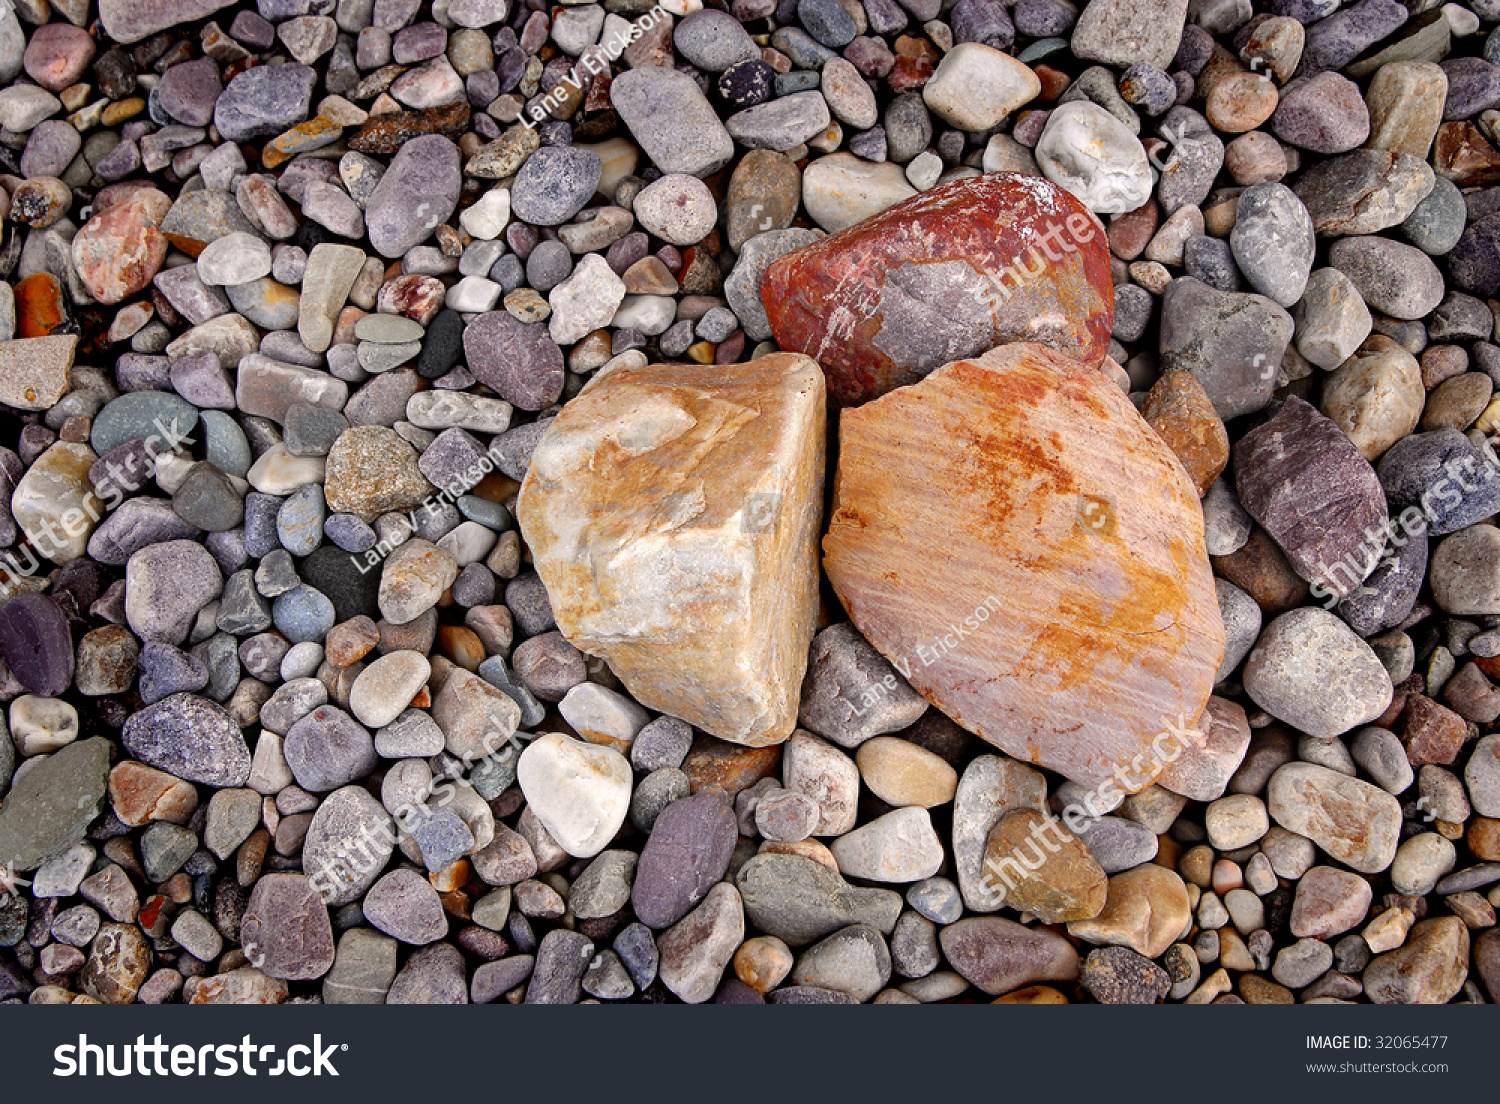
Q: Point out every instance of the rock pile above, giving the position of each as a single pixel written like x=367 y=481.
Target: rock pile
x=425 y=429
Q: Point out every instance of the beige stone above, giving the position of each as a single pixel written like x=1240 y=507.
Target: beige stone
x=1355 y=822
x=1388 y=930
x=331 y=272
x=673 y=513
x=1147 y=910
x=371 y=471
x=1376 y=396
x=840 y=190
x=1068 y=613
x=901 y=773
x=1406 y=106
x=1429 y=969
x=812 y=766
x=34 y=371
x=1203 y=770
x=54 y=503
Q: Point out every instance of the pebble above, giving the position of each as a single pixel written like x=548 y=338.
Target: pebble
x=688 y=851
x=580 y=792
x=800 y=901
x=51 y=806
x=1429 y=969
x=1328 y=556
x=35 y=644
x=554 y=184
x=1117 y=975
x=976 y=86
x=898 y=847
x=712 y=40
x=263 y=101
x=695 y=951
x=674 y=123
x=418 y=192
x=1307 y=648
x=1323 y=114
x=190 y=737
x=1092 y=155
x=1225 y=339
x=902 y=774
x=1353 y=821
x=406 y=907
x=1272 y=242
x=1000 y=956
x=851 y=692
x=286 y=930
x=1482 y=776
x=384 y=689
x=1392 y=277
x=327 y=749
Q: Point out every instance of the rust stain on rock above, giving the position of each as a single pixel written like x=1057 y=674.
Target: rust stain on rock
x=965 y=545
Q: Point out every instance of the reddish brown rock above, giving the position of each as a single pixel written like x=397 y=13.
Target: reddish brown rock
x=385 y=134
x=726 y=768
x=1130 y=233
x=141 y=794
x=1261 y=570
x=118 y=251
x=1180 y=411
x=1462 y=154
x=1483 y=839
x=1034 y=864
x=943 y=276
x=1433 y=733
x=981 y=539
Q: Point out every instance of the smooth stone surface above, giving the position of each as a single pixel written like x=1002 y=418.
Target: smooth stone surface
x=580 y=792
x=947 y=285
x=1311 y=671
x=1353 y=821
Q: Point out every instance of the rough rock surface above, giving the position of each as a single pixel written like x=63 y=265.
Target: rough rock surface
x=702 y=596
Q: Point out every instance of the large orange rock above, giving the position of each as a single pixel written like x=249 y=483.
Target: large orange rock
x=945 y=275
x=1029 y=554
x=673 y=514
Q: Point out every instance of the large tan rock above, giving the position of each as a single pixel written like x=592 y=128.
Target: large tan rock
x=1016 y=540
x=673 y=514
